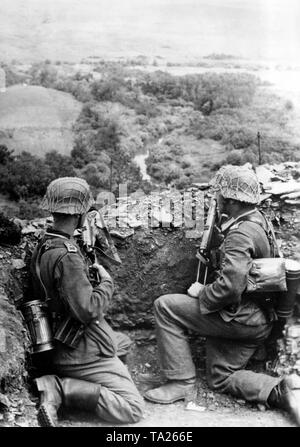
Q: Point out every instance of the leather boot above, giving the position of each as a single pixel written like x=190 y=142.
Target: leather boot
x=71 y=393
x=282 y=396
x=172 y=391
x=80 y=394
x=50 y=399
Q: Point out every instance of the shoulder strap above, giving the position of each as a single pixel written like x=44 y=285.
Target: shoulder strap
x=277 y=250
x=38 y=270
x=42 y=249
x=269 y=230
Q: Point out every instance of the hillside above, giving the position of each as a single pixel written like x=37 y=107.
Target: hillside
x=98 y=121
x=37 y=119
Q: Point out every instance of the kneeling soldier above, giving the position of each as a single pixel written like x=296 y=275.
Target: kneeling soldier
x=88 y=373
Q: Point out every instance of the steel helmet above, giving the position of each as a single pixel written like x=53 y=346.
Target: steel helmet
x=238 y=183
x=67 y=195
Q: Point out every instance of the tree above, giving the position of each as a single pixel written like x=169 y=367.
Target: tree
x=59 y=165
x=101 y=138
x=25 y=176
x=82 y=154
x=5 y=155
x=97 y=175
x=43 y=74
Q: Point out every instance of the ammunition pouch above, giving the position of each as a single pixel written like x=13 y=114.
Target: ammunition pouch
x=67 y=330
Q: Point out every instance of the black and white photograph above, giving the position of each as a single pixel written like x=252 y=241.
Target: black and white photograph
x=149 y=216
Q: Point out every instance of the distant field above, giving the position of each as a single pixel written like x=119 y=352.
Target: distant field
x=69 y=30
x=199 y=152
x=35 y=30
x=37 y=119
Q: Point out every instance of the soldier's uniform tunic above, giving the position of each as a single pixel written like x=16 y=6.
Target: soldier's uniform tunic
x=64 y=273
x=233 y=323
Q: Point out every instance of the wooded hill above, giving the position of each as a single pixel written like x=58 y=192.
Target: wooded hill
x=190 y=125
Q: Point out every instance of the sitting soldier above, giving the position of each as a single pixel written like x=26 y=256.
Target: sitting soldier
x=234 y=323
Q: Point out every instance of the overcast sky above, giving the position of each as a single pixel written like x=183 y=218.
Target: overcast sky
x=267 y=29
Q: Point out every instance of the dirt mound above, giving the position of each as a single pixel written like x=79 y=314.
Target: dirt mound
x=13 y=340
x=155 y=262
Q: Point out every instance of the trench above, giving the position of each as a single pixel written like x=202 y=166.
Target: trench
x=155 y=261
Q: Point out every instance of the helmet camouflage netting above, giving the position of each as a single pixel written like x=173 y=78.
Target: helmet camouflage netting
x=67 y=195
x=238 y=183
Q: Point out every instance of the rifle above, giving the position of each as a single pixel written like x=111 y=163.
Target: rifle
x=95 y=239
x=204 y=249
x=116 y=258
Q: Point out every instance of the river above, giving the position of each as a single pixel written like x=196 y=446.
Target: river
x=140 y=160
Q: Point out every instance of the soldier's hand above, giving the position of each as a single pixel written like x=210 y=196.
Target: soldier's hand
x=195 y=289
x=101 y=270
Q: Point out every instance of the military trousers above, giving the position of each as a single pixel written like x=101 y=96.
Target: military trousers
x=119 y=400
x=229 y=346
